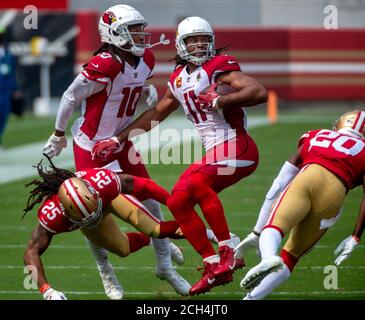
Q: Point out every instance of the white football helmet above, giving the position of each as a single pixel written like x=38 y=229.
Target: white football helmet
x=81 y=202
x=194 y=26
x=114 y=28
x=351 y=123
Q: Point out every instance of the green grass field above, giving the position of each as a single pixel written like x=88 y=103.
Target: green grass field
x=71 y=269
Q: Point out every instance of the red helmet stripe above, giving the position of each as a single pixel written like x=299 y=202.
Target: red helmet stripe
x=359 y=121
x=362 y=121
x=76 y=198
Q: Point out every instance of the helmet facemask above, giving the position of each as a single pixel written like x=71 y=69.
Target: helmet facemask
x=199 y=55
x=126 y=41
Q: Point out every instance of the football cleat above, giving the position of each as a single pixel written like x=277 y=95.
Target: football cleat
x=176 y=254
x=227 y=263
x=255 y=275
x=208 y=280
x=112 y=287
x=180 y=285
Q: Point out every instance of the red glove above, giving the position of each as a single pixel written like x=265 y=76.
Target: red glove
x=105 y=148
x=210 y=99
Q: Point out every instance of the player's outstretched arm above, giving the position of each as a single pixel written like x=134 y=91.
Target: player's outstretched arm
x=105 y=148
x=144 y=122
x=80 y=89
x=286 y=174
x=143 y=188
x=345 y=248
x=37 y=245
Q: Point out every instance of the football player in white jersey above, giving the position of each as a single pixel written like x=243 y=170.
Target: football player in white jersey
x=221 y=122
x=109 y=88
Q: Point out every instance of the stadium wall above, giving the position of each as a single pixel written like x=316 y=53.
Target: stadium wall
x=299 y=64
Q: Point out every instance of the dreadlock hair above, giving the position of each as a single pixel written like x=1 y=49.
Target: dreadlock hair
x=105 y=47
x=48 y=185
x=183 y=62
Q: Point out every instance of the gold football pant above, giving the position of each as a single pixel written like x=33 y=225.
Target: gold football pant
x=107 y=233
x=313 y=196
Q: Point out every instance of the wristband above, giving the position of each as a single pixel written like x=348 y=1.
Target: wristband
x=44 y=288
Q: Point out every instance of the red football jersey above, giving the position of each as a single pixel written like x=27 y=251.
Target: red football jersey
x=51 y=215
x=339 y=153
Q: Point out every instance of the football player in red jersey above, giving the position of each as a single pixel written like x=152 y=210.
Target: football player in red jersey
x=88 y=200
x=221 y=122
x=109 y=89
x=327 y=164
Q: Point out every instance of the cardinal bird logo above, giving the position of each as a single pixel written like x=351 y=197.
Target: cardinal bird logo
x=109 y=17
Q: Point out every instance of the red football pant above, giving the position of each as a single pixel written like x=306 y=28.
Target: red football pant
x=201 y=182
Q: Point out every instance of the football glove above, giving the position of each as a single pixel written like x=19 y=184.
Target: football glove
x=251 y=241
x=52 y=294
x=345 y=248
x=54 y=146
x=210 y=99
x=105 y=148
x=151 y=93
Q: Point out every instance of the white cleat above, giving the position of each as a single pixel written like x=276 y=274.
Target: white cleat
x=176 y=254
x=255 y=275
x=251 y=241
x=112 y=287
x=180 y=285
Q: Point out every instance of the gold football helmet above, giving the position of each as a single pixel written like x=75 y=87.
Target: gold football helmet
x=81 y=202
x=351 y=123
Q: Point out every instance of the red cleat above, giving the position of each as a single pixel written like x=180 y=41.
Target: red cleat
x=228 y=264
x=208 y=281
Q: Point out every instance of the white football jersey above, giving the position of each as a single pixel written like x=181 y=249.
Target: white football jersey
x=109 y=111
x=214 y=126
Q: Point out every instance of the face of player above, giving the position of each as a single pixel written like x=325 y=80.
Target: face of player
x=138 y=34
x=197 y=45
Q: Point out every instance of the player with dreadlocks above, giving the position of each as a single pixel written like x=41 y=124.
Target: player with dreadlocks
x=88 y=200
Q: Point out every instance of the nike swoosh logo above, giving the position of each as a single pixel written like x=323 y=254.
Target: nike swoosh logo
x=95 y=65
x=231 y=62
x=231 y=267
x=211 y=281
x=235 y=163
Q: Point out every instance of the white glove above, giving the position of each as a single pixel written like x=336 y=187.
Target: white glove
x=152 y=95
x=54 y=146
x=343 y=251
x=251 y=241
x=52 y=294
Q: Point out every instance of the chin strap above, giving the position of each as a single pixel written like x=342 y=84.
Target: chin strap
x=162 y=41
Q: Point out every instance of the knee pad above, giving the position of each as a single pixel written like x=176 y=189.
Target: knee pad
x=289 y=259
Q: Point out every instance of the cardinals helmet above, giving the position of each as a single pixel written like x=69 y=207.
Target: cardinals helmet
x=351 y=123
x=194 y=26
x=114 y=26
x=81 y=202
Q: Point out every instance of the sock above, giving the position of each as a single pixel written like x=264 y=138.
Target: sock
x=144 y=188
x=210 y=205
x=268 y=284
x=168 y=229
x=182 y=208
x=213 y=238
x=100 y=254
x=161 y=246
x=270 y=240
x=137 y=240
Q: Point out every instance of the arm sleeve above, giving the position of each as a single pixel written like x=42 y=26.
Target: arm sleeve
x=80 y=89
